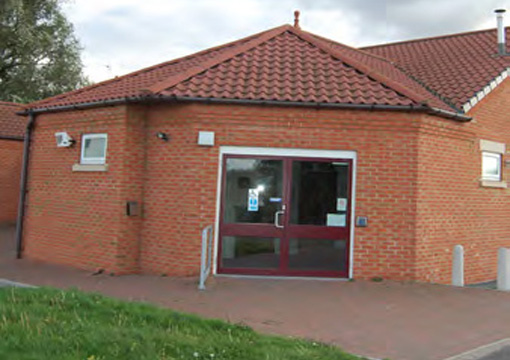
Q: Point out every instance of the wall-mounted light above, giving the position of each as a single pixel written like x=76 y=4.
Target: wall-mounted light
x=163 y=136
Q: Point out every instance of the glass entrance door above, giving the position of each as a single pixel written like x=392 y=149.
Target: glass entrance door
x=285 y=216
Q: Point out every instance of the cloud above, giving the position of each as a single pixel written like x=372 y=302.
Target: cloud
x=120 y=36
x=420 y=18
x=379 y=21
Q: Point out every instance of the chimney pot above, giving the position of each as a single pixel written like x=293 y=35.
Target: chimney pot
x=501 y=31
x=296 y=19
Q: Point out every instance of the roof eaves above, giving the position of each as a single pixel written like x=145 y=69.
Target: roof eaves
x=423 y=108
x=220 y=58
x=172 y=98
x=449 y=114
x=486 y=90
x=84 y=105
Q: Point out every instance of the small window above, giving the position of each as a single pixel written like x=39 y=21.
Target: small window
x=491 y=166
x=93 y=148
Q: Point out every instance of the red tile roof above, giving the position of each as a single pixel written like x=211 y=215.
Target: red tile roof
x=454 y=66
x=287 y=68
x=11 y=125
x=387 y=69
x=290 y=65
x=281 y=64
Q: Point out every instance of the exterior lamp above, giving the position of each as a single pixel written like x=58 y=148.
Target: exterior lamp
x=163 y=136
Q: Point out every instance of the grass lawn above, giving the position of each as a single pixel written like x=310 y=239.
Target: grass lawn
x=53 y=324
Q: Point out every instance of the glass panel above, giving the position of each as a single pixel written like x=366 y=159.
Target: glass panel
x=313 y=255
x=491 y=165
x=319 y=193
x=94 y=147
x=250 y=252
x=253 y=191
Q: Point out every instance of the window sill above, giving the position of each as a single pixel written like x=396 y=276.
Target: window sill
x=90 y=167
x=493 y=184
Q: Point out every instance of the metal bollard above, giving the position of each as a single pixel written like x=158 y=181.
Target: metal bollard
x=458 y=266
x=504 y=269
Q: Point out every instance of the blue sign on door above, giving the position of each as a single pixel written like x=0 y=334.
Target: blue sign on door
x=253 y=200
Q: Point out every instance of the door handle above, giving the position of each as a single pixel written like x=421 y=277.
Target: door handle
x=277 y=218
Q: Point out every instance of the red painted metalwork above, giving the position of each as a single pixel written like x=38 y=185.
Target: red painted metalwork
x=290 y=231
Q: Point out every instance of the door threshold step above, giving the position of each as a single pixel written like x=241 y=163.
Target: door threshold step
x=269 y=277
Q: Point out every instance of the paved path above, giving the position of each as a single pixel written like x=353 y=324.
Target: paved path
x=388 y=319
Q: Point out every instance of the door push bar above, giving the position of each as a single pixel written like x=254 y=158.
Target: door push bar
x=277 y=217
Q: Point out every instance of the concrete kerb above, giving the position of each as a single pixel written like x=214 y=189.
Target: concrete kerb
x=482 y=351
x=8 y=283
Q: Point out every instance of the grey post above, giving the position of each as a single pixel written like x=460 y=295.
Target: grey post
x=504 y=269
x=206 y=262
x=458 y=266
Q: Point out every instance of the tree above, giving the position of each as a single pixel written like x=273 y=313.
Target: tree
x=39 y=53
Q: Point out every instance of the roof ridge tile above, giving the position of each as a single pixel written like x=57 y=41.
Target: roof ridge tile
x=365 y=69
x=395 y=65
x=352 y=48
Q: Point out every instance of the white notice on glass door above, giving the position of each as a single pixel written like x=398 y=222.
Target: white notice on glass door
x=336 y=220
x=341 y=204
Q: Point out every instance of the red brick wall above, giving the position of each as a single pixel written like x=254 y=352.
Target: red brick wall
x=417 y=182
x=181 y=178
x=78 y=218
x=132 y=187
x=453 y=207
x=11 y=154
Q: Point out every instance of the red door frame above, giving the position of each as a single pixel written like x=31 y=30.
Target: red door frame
x=290 y=230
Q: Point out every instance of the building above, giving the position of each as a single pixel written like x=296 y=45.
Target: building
x=12 y=129
x=309 y=158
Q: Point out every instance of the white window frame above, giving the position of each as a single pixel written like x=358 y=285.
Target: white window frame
x=497 y=156
x=90 y=160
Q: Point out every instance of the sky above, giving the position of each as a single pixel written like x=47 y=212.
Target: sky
x=121 y=36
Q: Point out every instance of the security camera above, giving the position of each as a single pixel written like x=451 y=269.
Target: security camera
x=63 y=139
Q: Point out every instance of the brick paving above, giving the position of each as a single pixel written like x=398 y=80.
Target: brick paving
x=401 y=321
